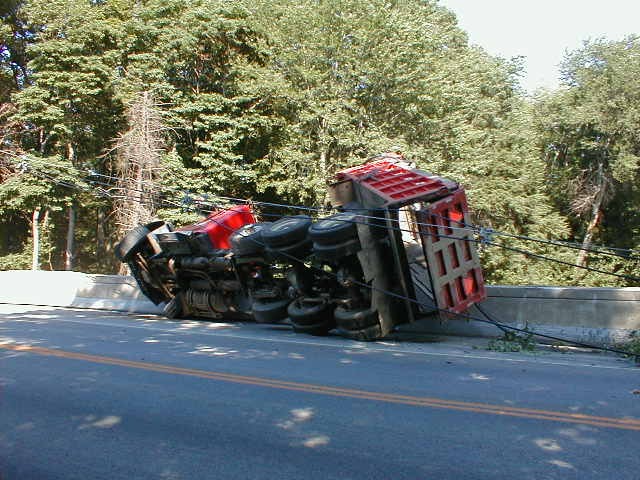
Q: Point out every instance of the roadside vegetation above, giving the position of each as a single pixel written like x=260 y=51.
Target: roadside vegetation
x=137 y=101
x=513 y=342
x=632 y=346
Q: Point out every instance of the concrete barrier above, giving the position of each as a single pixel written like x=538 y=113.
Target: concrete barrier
x=73 y=289
x=589 y=315
x=592 y=315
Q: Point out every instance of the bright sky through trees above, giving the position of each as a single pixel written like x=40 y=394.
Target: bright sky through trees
x=543 y=30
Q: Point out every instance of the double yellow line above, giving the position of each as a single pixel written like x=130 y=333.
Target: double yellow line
x=605 y=422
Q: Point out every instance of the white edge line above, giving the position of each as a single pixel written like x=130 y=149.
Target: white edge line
x=352 y=345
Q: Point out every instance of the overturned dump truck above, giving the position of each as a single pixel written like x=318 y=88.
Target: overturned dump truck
x=398 y=249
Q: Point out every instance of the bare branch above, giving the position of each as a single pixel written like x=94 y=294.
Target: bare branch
x=138 y=154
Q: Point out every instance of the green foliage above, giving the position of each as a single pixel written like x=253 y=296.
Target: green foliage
x=513 y=342
x=267 y=99
x=370 y=77
x=42 y=183
x=16 y=261
x=70 y=102
x=206 y=65
x=588 y=132
x=14 y=37
x=633 y=345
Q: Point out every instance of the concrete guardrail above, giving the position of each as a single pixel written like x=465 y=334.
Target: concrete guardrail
x=589 y=315
x=73 y=289
x=598 y=315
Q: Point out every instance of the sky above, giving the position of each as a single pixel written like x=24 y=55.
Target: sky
x=543 y=30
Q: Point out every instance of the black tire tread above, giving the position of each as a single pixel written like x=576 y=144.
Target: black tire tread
x=269 y=312
x=337 y=251
x=291 y=253
x=318 y=329
x=335 y=229
x=301 y=314
x=369 y=334
x=132 y=241
x=152 y=293
x=243 y=244
x=356 y=319
x=286 y=231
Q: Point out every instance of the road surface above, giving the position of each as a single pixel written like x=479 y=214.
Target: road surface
x=99 y=395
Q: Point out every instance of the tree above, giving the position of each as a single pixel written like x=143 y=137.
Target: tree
x=14 y=38
x=589 y=136
x=68 y=108
x=266 y=100
x=205 y=64
x=366 y=77
x=320 y=49
x=139 y=151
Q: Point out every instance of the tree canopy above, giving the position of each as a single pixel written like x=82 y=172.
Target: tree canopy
x=267 y=99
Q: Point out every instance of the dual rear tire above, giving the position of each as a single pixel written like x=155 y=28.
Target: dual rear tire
x=361 y=324
x=311 y=317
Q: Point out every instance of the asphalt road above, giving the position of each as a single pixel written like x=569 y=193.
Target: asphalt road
x=98 y=395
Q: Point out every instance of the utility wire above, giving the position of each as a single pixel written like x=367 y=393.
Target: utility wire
x=465 y=316
x=473 y=240
x=599 y=249
x=489 y=242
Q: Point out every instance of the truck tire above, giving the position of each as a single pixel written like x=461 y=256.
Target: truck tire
x=303 y=314
x=173 y=309
x=335 y=229
x=356 y=319
x=337 y=251
x=368 y=334
x=152 y=293
x=319 y=329
x=247 y=240
x=134 y=240
x=273 y=311
x=286 y=231
x=291 y=253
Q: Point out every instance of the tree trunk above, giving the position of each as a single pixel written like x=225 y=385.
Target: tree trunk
x=100 y=233
x=588 y=238
x=45 y=229
x=323 y=170
x=71 y=227
x=71 y=153
x=139 y=206
x=323 y=165
x=35 y=226
x=138 y=163
x=69 y=250
x=596 y=218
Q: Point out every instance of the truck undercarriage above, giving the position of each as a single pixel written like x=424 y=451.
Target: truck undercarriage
x=398 y=248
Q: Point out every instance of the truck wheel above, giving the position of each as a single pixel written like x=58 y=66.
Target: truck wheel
x=318 y=329
x=302 y=313
x=247 y=240
x=368 y=334
x=286 y=231
x=273 y=311
x=337 y=251
x=152 y=293
x=134 y=240
x=291 y=253
x=173 y=309
x=356 y=319
x=335 y=229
